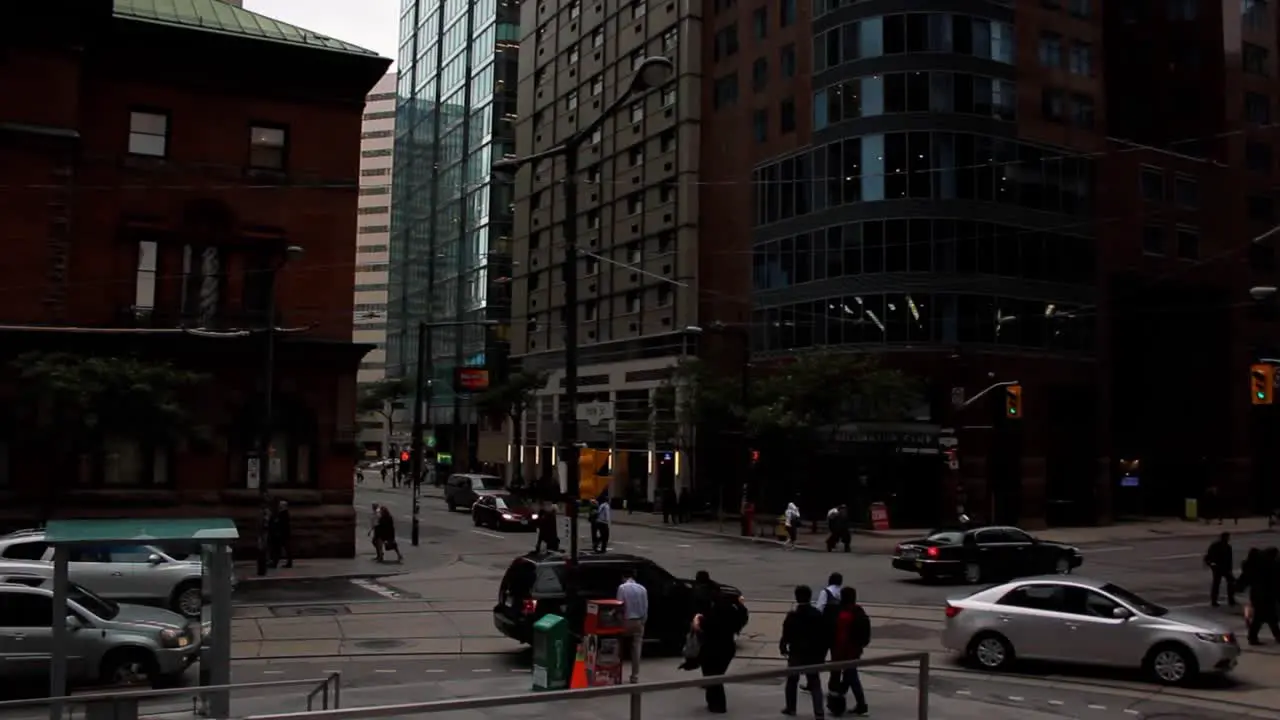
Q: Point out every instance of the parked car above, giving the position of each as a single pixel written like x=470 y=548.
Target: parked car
x=1086 y=622
x=462 y=490
x=503 y=512
x=985 y=553
x=124 y=572
x=533 y=586
x=108 y=642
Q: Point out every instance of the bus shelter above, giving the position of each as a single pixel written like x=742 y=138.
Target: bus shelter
x=214 y=536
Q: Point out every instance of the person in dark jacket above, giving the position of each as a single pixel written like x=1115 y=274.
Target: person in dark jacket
x=1218 y=560
x=716 y=621
x=838 y=524
x=548 y=530
x=852 y=636
x=1258 y=577
x=670 y=511
x=280 y=535
x=805 y=637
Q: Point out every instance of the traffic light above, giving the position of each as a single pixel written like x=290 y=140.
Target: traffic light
x=755 y=456
x=1263 y=381
x=1013 y=401
x=404 y=456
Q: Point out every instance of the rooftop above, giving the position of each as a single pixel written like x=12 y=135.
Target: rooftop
x=218 y=17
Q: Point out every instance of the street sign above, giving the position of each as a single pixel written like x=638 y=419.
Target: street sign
x=593 y=412
x=444 y=458
x=471 y=379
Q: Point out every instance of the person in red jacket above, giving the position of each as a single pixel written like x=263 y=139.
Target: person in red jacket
x=852 y=636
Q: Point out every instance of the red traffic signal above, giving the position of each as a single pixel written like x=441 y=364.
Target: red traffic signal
x=404 y=455
x=755 y=456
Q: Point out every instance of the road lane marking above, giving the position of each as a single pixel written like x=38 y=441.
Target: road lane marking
x=272 y=672
x=489 y=534
x=330 y=672
x=1016 y=698
x=375 y=587
x=1056 y=702
x=684 y=546
x=641 y=547
x=515 y=670
x=435 y=670
x=963 y=692
x=1108 y=549
x=1097 y=707
x=1131 y=711
x=1180 y=556
x=481 y=670
x=384 y=670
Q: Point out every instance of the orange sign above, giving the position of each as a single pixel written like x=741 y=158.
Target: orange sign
x=879 y=516
x=471 y=379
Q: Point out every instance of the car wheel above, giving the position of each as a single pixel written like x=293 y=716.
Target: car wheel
x=1171 y=664
x=475 y=518
x=449 y=504
x=128 y=666
x=972 y=573
x=1062 y=567
x=991 y=651
x=928 y=577
x=188 y=600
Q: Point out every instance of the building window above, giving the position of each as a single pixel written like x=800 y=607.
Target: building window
x=1253 y=13
x=144 y=296
x=571 y=100
x=1257 y=108
x=575 y=9
x=668 y=96
x=666 y=194
x=597 y=85
x=597 y=38
x=1152 y=184
x=760 y=125
x=1182 y=9
x=637 y=112
x=589 y=310
x=787 y=116
x=148 y=134
x=759 y=74
x=596 y=135
x=664 y=295
x=1186 y=192
x=1188 y=244
x=670 y=39
x=1080 y=8
x=1081 y=59
x=787 y=61
x=1153 y=240
x=635 y=204
x=573 y=55
x=725 y=91
x=1051 y=104
x=725 y=43
x=636 y=155
x=1258 y=156
x=788 y=16
x=1050 y=50
x=1082 y=111
x=633 y=302
x=1254 y=58
x=634 y=254
x=760 y=22
x=638 y=8
x=267 y=147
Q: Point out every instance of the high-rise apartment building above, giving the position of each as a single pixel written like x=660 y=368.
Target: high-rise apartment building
x=451 y=224
x=373 y=245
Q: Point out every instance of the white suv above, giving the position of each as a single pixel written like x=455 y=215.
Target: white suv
x=126 y=572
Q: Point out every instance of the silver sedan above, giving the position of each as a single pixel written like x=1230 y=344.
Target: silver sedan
x=1086 y=622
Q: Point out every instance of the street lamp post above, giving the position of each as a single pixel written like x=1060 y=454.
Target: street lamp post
x=424 y=375
x=649 y=74
x=268 y=408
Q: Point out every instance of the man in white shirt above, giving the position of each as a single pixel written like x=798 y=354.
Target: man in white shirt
x=604 y=518
x=635 y=611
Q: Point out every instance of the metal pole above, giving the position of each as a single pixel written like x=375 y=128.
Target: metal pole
x=415 y=452
x=268 y=423
x=922 y=689
x=218 y=575
x=569 y=413
x=61 y=634
x=430 y=371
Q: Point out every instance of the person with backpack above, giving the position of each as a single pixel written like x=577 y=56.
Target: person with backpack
x=828 y=603
x=805 y=638
x=852 y=636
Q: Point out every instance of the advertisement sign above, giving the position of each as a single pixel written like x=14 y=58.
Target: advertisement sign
x=471 y=379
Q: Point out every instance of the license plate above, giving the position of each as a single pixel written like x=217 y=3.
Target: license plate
x=919 y=564
x=910 y=554
x=524 y=521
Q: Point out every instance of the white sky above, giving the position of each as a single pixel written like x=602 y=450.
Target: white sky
x=372 y=24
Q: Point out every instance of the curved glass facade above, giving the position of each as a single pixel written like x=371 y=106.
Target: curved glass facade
x=918 y=216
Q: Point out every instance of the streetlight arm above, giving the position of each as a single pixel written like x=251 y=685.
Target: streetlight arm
x=980 y=395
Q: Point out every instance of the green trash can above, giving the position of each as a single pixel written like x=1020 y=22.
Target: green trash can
x=550 y=650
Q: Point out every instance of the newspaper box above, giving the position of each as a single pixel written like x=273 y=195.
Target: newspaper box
x=602 y=635
x=550 y=650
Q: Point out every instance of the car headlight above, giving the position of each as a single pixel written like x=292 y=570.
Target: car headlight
x=172 y=638
x=508 y=516
x=533 y=516
x=1221 y=638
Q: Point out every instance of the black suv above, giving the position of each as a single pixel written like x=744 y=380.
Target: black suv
x=534 y=586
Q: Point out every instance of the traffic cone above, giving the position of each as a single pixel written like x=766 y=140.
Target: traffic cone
x=578 y=679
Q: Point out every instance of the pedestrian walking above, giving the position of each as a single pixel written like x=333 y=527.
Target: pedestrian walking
x=791 y=517
x=548 y=530
x=1258 y=576
x=374 y=537
x=805 y=636
x=383 y=471
x=838 y=528
x=280 y=535
x=593 y=522
x=386 y=533
x=828 y=603
x=716 y=622
x=1218 y=560
x=604 y=524
x=670 y=509
x=851 y=638
x=635 y=611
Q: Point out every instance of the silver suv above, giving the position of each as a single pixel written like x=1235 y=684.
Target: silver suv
x=123 y=572
x=109 y=642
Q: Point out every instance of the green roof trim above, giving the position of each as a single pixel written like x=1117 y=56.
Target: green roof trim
x=218 y=17
x=142 y=530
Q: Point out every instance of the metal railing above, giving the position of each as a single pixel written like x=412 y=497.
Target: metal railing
x=123 y=704
x=636 y=692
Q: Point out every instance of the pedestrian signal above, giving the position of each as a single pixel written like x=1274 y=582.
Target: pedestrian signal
x=1263 y=381
x=1013 y=401
x=404 y=456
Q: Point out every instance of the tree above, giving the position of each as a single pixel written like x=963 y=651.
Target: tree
x=384 y=397
x=77 y=403
x=509 y=401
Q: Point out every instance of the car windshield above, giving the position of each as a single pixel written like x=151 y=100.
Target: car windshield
x=487 y=483
x=946 y=537
x=1141 y=605
x=99 y=606
x=506 y=502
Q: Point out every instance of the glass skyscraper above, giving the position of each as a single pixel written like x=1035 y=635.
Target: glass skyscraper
x=451 y=224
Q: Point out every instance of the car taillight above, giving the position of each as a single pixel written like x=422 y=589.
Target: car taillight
x=932 y=552
x=898 y=550
x=952 y=611
x=529 y=607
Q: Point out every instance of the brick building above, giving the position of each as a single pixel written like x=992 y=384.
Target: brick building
x=156 y=169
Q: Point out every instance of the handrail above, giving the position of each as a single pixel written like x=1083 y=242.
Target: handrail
x=635 y=691
x=334 y=679
x=166 y=692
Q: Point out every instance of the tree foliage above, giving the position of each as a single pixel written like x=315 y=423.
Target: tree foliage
x=82 y=399
x=384 y=396
x=510 y=399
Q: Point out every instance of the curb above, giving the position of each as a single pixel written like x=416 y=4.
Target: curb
x=753 y=540
x=254 y=580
